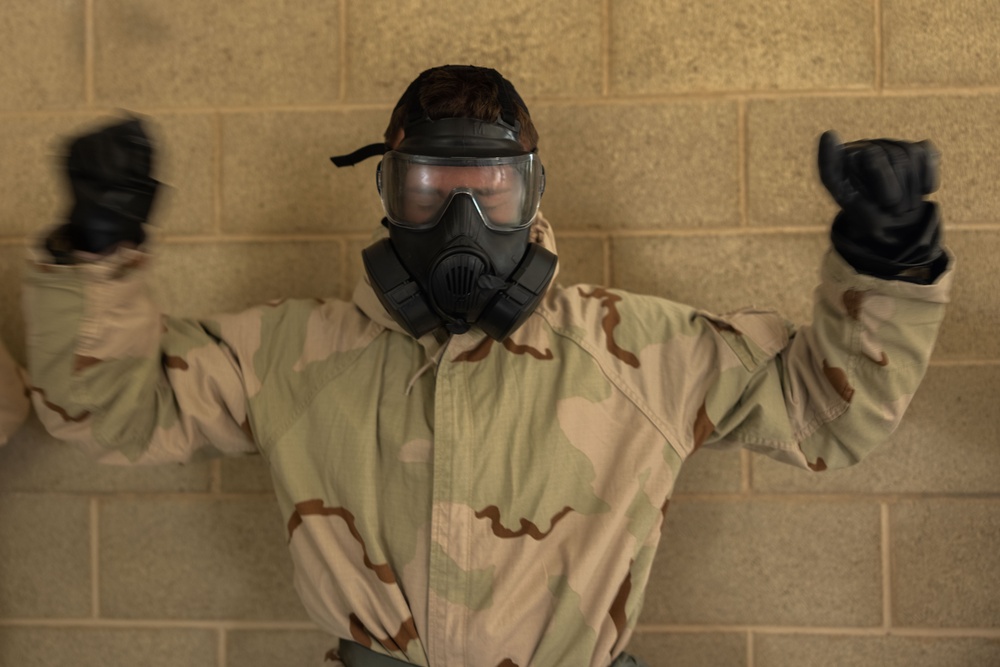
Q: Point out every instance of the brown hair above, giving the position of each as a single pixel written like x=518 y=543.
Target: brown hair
x=462 y=92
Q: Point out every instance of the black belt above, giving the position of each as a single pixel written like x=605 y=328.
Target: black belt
x=354 y=654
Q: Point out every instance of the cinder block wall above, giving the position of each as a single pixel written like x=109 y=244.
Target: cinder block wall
x=679 y=139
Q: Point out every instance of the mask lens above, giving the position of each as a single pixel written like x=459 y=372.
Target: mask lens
x=416 y=190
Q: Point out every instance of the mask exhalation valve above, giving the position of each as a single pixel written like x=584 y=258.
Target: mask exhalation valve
x=454 y=286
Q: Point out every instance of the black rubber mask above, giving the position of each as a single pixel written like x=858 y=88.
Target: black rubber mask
x=460 y=195
x=459 y=273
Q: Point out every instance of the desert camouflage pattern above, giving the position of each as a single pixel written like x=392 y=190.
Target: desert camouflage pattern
x=14 y=404
x=460 y=501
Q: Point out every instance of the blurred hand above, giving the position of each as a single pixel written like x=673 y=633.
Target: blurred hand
x=109 y=173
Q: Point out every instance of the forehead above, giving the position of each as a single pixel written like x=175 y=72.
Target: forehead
x=441 y=177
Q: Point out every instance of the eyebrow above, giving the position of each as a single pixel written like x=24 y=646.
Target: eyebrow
x=486 y=192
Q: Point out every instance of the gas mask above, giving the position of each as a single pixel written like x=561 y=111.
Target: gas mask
x=459 y=196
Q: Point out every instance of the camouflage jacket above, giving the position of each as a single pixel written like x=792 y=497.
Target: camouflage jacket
x=462 y=501
x=13 y=400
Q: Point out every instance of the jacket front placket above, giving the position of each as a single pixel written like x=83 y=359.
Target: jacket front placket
x=454 y=448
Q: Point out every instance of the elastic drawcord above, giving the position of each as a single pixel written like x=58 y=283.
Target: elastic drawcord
x=432 y=362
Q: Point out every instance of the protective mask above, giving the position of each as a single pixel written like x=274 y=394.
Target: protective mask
x=459 y=256
x=460 y=196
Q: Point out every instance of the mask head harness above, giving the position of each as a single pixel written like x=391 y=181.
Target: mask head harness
x=460 y=195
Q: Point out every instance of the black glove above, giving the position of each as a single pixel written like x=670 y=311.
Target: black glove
x=885 y=228
x=108 y=171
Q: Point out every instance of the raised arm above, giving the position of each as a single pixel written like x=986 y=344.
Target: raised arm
x=108 y=371
x=824 y=395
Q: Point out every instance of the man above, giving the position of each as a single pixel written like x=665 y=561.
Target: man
x=474 y=464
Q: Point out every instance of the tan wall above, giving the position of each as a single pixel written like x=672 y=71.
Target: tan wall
x=679 y=138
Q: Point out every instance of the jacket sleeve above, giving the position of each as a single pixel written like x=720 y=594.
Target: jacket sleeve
x=13 y=399
x=823 y=395
x=123 y=382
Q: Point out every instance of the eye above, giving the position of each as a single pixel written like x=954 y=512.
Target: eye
x=425 y=202
x=491 y=200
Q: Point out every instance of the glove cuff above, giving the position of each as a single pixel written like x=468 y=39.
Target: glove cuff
x=895 y=249
x=97 y=229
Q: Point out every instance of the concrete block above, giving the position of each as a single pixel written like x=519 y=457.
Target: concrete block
x=186 y=151
x=833 y=651
x=35 y=462
x=249 y=474
x=391 y=43
x=278 y=179
x=929 y=43
x=784 y=186
x=355 y=264
x=44 y=557
x=28 y=646
x=640 y=166
x=945 y=444
x=205 y=279
x=945 y=569
x=973 y=318
x=674 y=649
x=723 y=273
x=581 y=260
x=32 y=149
x=768 y=563
x=711 y=472
x=11 y=316
x=195 y=559
x=195 y=54
x=43 y=55
x=266 y=648
x=661 y=47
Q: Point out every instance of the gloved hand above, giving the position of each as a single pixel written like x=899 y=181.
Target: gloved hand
x=885 y=228
x=109 y=173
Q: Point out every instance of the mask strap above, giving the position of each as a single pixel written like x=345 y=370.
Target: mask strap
x=363 y=153
x=506 y=96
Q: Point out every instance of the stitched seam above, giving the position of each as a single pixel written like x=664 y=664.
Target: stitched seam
x=622 y=386
x=272 y=435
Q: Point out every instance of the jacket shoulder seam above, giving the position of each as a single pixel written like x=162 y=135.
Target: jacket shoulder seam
x=620 y=384
x=273 y=435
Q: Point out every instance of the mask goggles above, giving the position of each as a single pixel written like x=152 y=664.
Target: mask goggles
x=416 y=190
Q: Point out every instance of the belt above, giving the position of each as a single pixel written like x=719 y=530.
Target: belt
x=353 y=654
